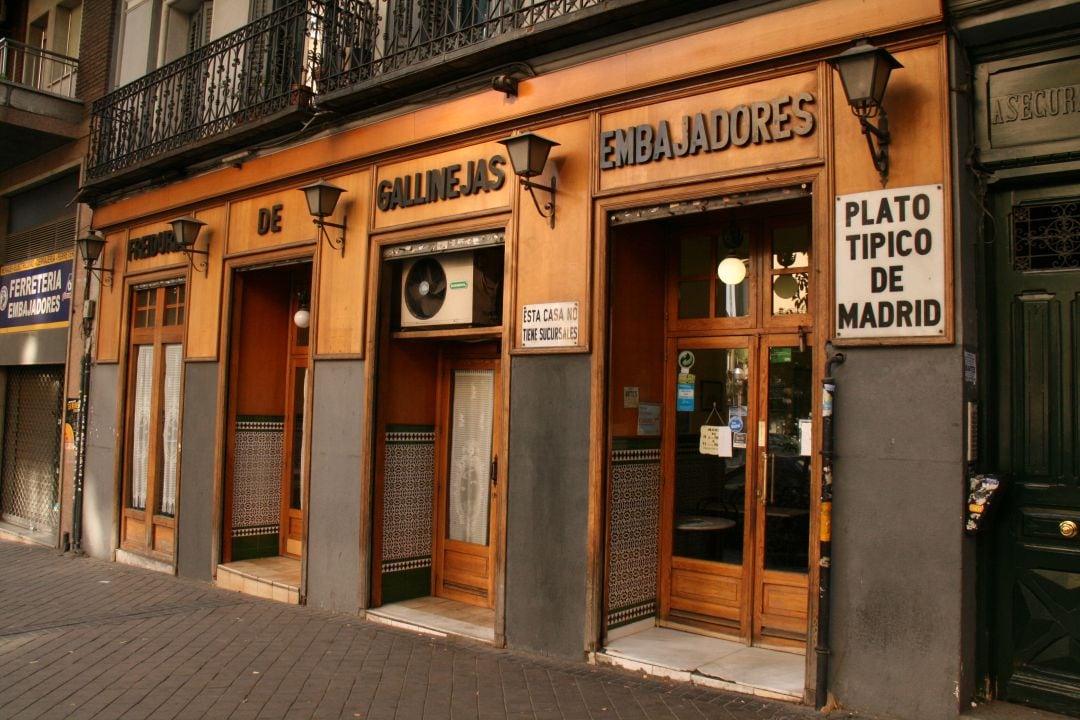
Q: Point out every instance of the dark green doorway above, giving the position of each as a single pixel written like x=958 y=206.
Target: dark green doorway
x=1032 y=437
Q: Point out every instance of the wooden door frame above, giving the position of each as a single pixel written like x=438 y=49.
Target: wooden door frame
x=450 y=359
x=231 y=391
x=297 y=357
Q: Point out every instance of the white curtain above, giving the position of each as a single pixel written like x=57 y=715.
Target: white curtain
x=470 y=455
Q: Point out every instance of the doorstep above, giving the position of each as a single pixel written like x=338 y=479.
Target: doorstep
x=124 y=557
x=246 y=577
x=438 y=617
x=709 y=662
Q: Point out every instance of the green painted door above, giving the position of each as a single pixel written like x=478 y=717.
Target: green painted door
x=1033 y=431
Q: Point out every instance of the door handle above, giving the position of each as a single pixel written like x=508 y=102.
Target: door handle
x=1068 y=529
x=495 y=470
x=762 y=486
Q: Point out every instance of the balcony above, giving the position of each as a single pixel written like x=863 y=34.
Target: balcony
x=261 y=80
x=244 y=87
x=38 y=109
x=421 y=44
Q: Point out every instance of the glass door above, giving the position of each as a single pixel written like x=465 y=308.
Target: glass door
x=784 y=490
x=705 y=566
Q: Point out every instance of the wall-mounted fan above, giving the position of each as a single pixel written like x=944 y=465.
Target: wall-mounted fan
x=424 y=288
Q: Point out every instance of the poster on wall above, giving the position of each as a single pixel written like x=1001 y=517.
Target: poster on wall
x=36 y=294
x=891 y=266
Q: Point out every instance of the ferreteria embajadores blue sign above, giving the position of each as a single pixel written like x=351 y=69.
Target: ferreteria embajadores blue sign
x=36 y=294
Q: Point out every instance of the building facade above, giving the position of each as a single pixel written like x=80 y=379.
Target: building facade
x=45 y=89
x=538 y=410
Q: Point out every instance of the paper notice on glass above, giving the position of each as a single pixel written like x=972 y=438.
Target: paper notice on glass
x=648 y=418
x=709 y=442
x=715 y=440
x=806 y=440
x=723 y=448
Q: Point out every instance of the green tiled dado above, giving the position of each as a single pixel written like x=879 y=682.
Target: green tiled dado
x=255 y=546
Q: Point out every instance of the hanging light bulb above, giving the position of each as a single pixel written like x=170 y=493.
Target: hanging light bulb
x=731 y=270
x=302 y=317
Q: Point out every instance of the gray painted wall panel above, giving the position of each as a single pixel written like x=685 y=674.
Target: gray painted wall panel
x=195 y=552
x=333 y=553
x=898 y=540
x=99 y=488
x=548 y=501
x=36 y=347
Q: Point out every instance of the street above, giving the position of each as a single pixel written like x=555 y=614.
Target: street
x=82 y=638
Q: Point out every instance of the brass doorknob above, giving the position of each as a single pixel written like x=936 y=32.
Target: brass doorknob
x=1068 y=528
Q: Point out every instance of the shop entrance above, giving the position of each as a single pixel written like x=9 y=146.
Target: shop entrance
x=439 y=426
x=711 y=423
x=266 y=467
x=1032 y=439
x=30 y=469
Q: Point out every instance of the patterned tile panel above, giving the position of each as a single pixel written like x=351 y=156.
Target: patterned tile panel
x=632 y=552
x=257 y=475
x=408 y=480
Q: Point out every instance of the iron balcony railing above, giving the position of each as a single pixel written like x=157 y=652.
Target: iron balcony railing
x=409 y=32
x=249 y=75
x=306 y=48
x=38 y=69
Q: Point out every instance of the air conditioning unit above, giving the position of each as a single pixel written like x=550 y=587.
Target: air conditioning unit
x=454 y=289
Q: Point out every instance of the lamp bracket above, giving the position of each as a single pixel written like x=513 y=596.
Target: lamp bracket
x=338 y=244
x=103 y=274
x=548 y=209
x=205 y=267
x=877 y=139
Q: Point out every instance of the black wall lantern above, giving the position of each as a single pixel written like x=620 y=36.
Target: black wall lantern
x=90 y=247
x=186 y=230
x=528 y=156
x=322 y=198
x=864 y=71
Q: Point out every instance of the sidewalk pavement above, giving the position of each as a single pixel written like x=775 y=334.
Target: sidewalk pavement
x=82 y=638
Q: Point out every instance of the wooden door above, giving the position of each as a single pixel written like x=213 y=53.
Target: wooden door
x=466 y=480
x=152 y=461
x=706 y=570
x=736 y=534
x=783 y=491
x=1032 y=437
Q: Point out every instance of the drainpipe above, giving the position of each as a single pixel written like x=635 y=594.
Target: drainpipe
x=828 y=395
x=88 y=312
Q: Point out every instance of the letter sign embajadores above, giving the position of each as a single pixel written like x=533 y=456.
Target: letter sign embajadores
x=891 y=265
